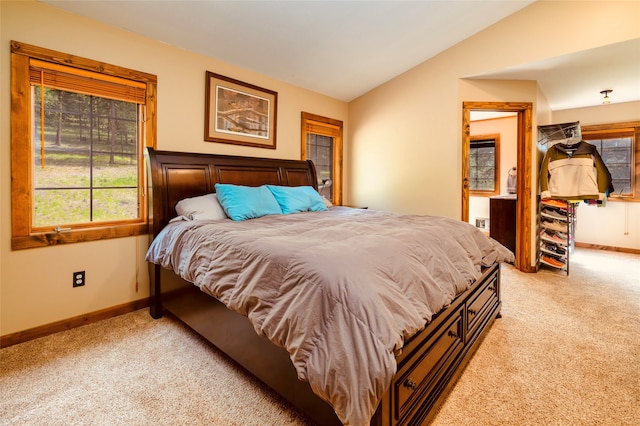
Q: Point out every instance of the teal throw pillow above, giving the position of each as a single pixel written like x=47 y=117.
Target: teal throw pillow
x=246 y=202
x=293 y=199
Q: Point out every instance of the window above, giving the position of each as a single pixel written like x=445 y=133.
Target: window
x=484 y=166
x=322 y=144
x=77 y=145
x=618 y=146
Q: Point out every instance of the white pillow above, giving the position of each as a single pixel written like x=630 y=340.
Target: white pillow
x=204 y=207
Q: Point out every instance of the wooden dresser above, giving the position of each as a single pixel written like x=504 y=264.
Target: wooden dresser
x=503 y=220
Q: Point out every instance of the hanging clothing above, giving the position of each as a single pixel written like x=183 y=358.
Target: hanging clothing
x=574 y=172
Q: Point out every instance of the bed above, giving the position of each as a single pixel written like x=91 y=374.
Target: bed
x=400 y=349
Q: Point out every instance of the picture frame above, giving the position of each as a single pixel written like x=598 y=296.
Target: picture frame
x=239 y=113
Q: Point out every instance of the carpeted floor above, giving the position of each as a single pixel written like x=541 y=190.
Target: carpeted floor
x=565 y=352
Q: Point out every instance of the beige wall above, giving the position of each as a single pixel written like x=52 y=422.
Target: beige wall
x=601 y=114
x=406 y=134
x=35 y=284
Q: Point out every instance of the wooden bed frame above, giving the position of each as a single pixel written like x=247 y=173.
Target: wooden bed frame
x=430 y=362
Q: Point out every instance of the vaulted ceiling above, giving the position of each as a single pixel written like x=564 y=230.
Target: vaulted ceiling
x=345 y=48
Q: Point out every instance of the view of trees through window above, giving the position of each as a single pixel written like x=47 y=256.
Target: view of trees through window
x=87 y=170
x=616 y=154
x=320 y=151
x=482 y=165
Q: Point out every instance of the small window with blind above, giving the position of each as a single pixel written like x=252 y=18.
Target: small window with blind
x=618 y=146
x=78 y=139
x=322 y=144
x=484 y=165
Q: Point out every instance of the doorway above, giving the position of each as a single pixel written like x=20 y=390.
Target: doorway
x=523 y=252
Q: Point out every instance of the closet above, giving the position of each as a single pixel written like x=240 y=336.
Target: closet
x=572 y=172
x=556 y=220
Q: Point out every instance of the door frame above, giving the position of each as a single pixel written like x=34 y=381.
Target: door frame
x=523 y=179
x=325 y=126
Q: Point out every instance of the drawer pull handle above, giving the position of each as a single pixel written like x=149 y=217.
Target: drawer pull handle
x=491 y=288
x=472 y=312
x=452 y=334
x=410 y=384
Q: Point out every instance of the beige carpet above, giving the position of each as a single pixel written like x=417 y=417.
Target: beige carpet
x=566 y=352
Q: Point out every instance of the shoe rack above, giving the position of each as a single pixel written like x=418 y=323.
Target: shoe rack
x=556 y=219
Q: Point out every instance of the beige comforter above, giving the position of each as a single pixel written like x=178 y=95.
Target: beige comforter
x=341 y=290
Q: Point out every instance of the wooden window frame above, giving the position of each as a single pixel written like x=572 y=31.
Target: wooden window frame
x=23 y=235
x=496 y=177
x=318 y=125
x=613 y=130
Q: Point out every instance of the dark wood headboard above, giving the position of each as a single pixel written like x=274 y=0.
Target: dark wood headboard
x=178 y=175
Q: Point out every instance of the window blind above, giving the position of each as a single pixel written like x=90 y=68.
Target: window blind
x=488 y=143
x=324 y=129
x=86 y=82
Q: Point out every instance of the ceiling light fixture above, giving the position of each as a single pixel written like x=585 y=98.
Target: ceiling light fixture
x=606 y=99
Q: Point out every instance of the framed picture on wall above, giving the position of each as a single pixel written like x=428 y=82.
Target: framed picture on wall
x=239 y=113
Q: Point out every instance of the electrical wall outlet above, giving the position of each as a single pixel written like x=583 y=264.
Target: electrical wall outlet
x=78 y=279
